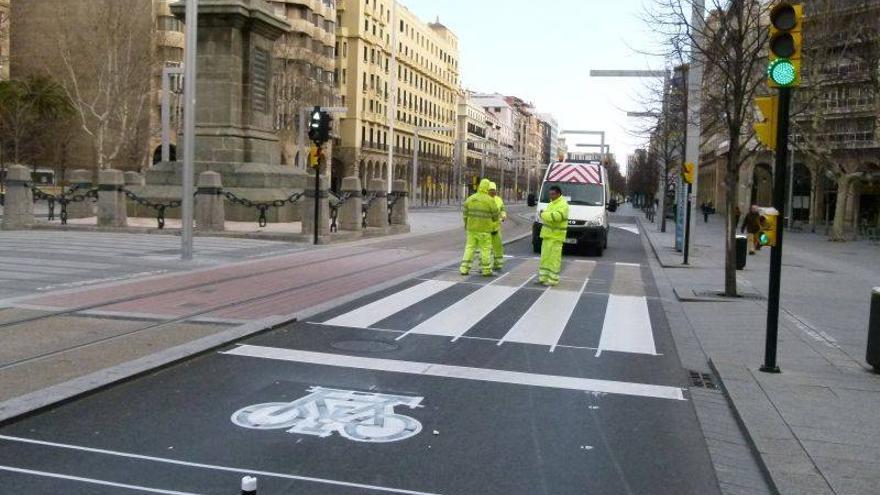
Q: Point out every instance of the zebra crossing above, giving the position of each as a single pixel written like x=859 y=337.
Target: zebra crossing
x=445 y=305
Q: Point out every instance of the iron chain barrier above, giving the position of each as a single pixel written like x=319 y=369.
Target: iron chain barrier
x=263 y=207
x=159 y=207
x=393 y=198
x=64 y=199
x=334 y=210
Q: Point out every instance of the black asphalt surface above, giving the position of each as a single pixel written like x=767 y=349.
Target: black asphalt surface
x=172 y=431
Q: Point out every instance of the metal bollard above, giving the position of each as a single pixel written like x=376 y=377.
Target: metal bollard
x=249 y=485
x=873 y=353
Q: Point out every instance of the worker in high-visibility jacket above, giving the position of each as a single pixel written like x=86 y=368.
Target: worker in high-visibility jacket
x=480 y=214
x=555 y=226
x=497 y=242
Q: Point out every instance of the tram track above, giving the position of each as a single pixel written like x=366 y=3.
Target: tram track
x=203 y=312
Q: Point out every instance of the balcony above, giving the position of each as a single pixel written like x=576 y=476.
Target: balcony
x=368 y=145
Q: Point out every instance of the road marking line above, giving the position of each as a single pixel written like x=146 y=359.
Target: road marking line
x=628 y=264
x=92 y=481
x=627 y=326
x=377 y=311
x=632 y=229
x=213 y=467
x=545 y=321
x=462 y=372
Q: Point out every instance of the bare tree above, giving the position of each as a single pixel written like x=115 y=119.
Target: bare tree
x=106 y=72
x=844 y=41
x=295 y=87
x=731 y=43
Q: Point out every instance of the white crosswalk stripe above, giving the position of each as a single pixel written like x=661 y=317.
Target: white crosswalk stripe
x=631 y=228
x=371 y=314
x=627 y=326
x=546 y=322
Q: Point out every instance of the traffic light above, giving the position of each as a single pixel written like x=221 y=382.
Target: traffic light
x=769 y=224
x=315 y=125
x=765 y=124
x=786 y=23
x=326 y=126
x=687 y=171
x=313 y=156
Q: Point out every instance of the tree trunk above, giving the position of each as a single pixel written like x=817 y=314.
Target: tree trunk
x=732 y=180
x=837 y=230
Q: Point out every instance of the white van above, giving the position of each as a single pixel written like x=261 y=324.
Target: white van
x=585 y=187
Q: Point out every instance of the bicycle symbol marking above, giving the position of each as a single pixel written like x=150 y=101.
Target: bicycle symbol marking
x=357 y=416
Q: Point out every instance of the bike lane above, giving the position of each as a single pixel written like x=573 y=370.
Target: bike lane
x=399 y=405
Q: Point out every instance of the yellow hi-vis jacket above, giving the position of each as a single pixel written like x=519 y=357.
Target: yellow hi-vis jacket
x=480 y=211
x=555 y=220
x=502 y=210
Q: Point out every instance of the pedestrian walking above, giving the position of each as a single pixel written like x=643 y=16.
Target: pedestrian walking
x=480 y=214
x=752 y=226
x=553 y=231
x=706 y=210
x=497 y=241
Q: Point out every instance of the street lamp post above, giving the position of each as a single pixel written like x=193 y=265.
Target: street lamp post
x=189 y=129
x=167 y=72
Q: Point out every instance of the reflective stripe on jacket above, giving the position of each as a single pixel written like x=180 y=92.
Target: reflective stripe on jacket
x=480 y=211
x=555 y=220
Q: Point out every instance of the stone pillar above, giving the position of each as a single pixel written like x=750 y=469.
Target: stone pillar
x=210 y=208
x=400 y=211
x=350 y=216
x=82 y=180
x=307 y=209
x=377 y=214
x=18 y=206
x=111 y=199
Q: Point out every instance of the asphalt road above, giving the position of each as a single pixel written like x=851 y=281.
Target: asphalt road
x=441 y=385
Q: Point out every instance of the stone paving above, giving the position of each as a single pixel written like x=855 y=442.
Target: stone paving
x=815 y=425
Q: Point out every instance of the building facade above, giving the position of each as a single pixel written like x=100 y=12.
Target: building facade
x=417 y=86
x=550 y=138
x=304 y=70
x=502 y=133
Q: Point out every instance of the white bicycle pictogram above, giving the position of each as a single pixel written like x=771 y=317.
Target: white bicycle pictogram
x=357 y=416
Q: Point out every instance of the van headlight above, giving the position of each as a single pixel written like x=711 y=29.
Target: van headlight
x=593 y=223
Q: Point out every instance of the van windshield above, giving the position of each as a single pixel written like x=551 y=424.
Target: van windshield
x=580 y=194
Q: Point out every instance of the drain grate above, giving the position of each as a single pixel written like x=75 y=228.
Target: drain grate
x=702 y=380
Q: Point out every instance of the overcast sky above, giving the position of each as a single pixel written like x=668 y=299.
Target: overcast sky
x=543 y=52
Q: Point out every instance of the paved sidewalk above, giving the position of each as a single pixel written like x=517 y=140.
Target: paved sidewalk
x=815 y=425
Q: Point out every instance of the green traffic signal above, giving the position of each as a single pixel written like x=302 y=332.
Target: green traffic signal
x=782 y=72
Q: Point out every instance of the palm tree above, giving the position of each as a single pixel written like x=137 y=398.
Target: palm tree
x=27 y=105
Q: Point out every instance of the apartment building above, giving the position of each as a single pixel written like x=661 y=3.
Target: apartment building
x=304 y=71
x=394 y=66
x=550 y=138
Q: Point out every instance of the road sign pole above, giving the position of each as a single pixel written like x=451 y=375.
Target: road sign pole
x=779 y=178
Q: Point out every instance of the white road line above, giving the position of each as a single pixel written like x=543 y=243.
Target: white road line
x=627 y=326
x=545 y=321
x=375 y=312
x=252 y=472
x=92 y=481
x=461 y=372
x=632 y=229
x=628 y=264
x=457 y=319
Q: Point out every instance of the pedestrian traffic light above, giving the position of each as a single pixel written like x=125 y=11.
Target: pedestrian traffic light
x=765 y=123
x=315 y=125
x=786 y=21
x=687 y=171
x=768 y=219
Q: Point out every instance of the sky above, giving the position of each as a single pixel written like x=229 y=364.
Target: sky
x=543 y=52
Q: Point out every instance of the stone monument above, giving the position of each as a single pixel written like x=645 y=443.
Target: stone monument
x=234 y=112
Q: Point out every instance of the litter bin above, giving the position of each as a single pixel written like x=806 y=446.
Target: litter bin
x=873 y=355
x=742 y=251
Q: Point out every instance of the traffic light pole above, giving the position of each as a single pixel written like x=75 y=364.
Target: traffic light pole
x=687 y=225
x=779 y=199
x=316 y=228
